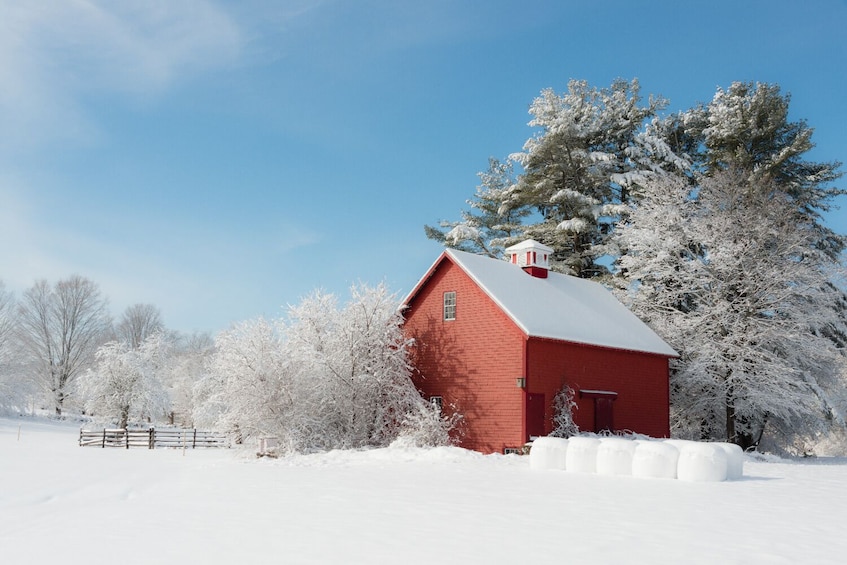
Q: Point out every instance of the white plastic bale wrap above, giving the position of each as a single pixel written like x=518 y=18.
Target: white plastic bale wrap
x=614 y=456
x=702 y=462
x=655 y=460
x=734 y=460
x=548 y=453
x=582 y=454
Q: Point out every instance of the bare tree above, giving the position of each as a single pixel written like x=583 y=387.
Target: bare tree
x=137 y=323
x=7 y=320
x=13 y=391
x=60 y=329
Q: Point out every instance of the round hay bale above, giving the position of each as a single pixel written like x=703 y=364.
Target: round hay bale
x=582 y=454
x=702 y=462
x=734 y=460
x=548 y=453
x=614 y=456
x=655 y=460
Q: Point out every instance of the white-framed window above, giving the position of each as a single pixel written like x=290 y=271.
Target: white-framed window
x=450 y=305
x=437 y=402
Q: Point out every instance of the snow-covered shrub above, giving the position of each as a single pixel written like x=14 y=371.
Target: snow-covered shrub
x=252 y=387
x=563 y=408
x=327 y=377
x=125 y=383
x=548 y=453
x=425 y=425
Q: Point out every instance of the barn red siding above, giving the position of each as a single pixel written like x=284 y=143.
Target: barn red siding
x=471 y=362
x=640 y=379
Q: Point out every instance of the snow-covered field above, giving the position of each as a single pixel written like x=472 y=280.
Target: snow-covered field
x=66 y=504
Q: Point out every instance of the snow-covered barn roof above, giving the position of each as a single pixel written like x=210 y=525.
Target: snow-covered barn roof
x=557 y=307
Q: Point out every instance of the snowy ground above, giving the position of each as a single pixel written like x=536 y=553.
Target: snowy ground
x=63 y=503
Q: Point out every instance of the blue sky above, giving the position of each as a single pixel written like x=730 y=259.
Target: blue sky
x=223 y=159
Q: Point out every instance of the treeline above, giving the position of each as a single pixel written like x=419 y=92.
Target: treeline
x=325 y=376
x=708 y=223
x=59 y=346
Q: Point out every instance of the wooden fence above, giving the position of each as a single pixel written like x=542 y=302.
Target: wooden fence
x=152 y=438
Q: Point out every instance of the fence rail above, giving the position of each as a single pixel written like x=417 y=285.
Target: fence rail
x=152 y=438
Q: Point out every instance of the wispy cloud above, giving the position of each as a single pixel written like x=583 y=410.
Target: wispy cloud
x=53 y=53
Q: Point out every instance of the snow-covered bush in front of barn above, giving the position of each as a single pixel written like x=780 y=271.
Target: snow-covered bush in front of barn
x=325 y=377
x=563 y=408
x=425 y=425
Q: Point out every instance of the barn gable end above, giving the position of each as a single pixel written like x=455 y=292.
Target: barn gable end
x=498 y=344
x=470 y=362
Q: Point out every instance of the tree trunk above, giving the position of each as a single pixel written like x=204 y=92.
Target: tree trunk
x=730 y=418
x=124 y=418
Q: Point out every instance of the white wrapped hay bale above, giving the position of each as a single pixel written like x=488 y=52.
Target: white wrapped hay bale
x=548 y=453
x=655 y=460
x=614 y=456
x=679 y=443
x=702 y=462
x=582 y=454
x=734 y=460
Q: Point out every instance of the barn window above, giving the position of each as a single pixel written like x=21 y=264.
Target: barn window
x=450 y=305
x=437 y=403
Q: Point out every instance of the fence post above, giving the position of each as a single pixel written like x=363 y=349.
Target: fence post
x=151 y=438
x=126 y=437
x=194 y=441
x=104 y=438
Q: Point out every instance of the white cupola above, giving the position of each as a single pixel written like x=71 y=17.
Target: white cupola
x=531 y=256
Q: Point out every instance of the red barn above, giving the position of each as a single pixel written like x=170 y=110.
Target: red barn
x=499 y=339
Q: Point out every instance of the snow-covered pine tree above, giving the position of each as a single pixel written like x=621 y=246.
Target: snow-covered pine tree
x=592 y=149
x=489 y=227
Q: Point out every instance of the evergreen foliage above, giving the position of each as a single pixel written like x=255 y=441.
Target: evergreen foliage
x=712 y=219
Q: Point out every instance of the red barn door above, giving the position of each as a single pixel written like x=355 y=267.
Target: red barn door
x=535 y=414
x=603 y=419
x=603 y=408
